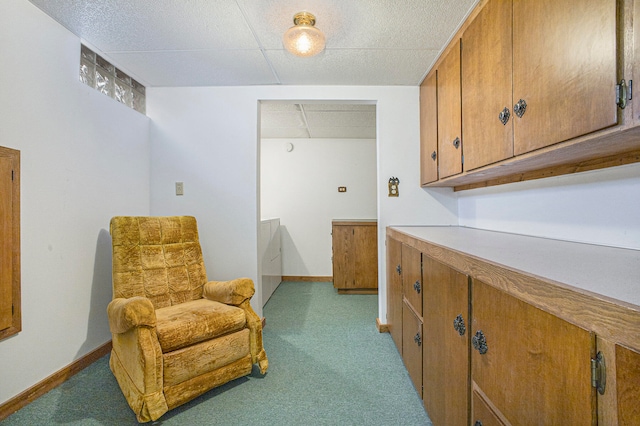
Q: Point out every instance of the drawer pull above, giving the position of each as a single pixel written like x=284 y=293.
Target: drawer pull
x=458 y=325
x=417 y=287
x=417 y=339
x=480 y=342
x=477 y=423
x=504 y=116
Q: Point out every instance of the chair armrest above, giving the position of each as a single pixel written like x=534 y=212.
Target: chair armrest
x=124 y=314
x=232 y=292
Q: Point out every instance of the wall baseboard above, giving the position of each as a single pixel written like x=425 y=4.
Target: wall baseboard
x=382 y=328
x=56 y=379
x=307 y=279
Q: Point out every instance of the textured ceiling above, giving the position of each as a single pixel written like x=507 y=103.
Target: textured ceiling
x=172 y=43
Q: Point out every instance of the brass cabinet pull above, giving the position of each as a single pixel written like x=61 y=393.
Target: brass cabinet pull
x=458 y=325
x=520 y=108
x=434 y=156
x=479 y=342
x=416 y=286
x=456 y=143
x=504 y=116
x=417 y=339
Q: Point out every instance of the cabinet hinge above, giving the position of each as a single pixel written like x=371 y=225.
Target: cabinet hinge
x=599 y=373
x=624 y=93
x=462 y=159
x=12 y=175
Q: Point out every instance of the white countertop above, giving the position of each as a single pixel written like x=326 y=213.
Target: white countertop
x=608 y=271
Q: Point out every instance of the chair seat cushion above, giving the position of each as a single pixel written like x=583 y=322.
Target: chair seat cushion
x=195 y=321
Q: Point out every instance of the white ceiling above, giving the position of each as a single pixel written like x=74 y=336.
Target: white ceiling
x=172 y=43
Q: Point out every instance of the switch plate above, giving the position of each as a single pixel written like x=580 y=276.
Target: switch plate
x=342 y=189
x=179 y=188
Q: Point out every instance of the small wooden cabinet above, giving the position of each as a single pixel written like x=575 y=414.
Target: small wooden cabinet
x=449 y=114
x=355 y=256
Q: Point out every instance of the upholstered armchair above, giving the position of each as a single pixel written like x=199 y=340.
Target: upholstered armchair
x=175 y=335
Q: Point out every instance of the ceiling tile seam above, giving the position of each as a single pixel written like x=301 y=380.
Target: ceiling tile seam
x=306 y=122
x=255 y=36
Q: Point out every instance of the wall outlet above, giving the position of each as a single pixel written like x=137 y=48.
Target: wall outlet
x=342 y=189
x=179 y=188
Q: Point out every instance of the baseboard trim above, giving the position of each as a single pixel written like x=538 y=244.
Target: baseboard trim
x=53 y=381
x=382 y=328
x=307 y=279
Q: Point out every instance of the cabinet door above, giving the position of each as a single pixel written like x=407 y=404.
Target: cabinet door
x=429 y=129
x=394 y=291
x=537 y=367
x=628 y=385
x=412 y=346
x=486 y=86
x=343 y=267
x=482 y=413
x=365 y=256
x=564 y=68
x=446 y=351
x=449 y=114
x=412 y=277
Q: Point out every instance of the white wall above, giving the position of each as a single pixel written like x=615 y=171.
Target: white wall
x=301 y=188
x=599 y=207
x=208 y=138
x=84 y=158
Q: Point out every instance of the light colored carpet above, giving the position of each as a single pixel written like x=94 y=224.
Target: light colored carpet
x=328 y=365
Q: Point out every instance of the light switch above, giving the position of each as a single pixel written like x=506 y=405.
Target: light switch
x=179 y=188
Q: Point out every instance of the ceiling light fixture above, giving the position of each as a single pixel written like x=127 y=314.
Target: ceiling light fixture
x=304 y=39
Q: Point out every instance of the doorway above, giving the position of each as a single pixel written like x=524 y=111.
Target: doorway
x=318 y=163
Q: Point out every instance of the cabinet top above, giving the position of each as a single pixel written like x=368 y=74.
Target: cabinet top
x=604 y=271
x=352 y=222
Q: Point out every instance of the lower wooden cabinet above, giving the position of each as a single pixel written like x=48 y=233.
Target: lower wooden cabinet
x=482 y=414
x=627 y=381
x=412 y=345
x=355 y=256
x=445 y=368
x=394 y=291
x=534 y=367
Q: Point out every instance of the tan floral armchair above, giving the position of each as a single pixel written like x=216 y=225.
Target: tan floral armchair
x=175 y=335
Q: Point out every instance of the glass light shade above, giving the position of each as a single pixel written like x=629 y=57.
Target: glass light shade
x=303 y=39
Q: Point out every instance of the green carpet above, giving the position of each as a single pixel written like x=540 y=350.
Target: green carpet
x=328 y=365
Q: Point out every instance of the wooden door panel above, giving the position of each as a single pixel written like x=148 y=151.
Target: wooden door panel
x=412 y=277
x=343 y=265
x=446 y=352
x=481 y=412
x=6 y=243
x=564 y=67
x=412 y=346
x=365 y=240
x=429 y=129
x=394 y=291
x=537 y=367
x=628 y=385
x=486 y=86
x=449 y=114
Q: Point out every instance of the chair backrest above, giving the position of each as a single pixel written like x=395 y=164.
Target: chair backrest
x=158 y=258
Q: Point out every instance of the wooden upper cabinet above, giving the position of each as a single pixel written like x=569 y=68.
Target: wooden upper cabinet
x=449 y=114
x=429 y=129
x=486 y=86
x=536 y=367
x=564 y=68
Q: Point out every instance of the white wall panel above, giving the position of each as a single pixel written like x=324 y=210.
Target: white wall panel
x=84 y=159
